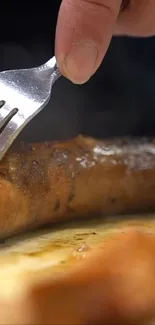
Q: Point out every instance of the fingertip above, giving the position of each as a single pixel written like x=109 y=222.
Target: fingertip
x=84 y=31
x=80 y=63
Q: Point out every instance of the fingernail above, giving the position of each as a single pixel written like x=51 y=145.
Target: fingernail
x=79 y=64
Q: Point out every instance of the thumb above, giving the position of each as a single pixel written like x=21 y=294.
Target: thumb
x=83 y=34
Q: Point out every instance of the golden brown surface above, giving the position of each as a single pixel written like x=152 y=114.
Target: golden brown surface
x=106 y=280
x=114 y=285
x=45 y=183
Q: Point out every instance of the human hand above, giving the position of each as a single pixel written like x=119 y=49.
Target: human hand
x=85 y=28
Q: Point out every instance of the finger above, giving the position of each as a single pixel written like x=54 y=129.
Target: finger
x=84 y=30
x=138 y=19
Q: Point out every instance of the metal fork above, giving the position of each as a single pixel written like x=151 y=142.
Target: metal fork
x=24 y=94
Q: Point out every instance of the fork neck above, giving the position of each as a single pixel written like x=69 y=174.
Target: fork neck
x=52 y=66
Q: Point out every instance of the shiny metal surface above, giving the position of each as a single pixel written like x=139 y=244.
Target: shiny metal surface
x=23 y=94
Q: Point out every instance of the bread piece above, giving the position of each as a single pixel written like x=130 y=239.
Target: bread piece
x=84 y=273
x=50 y=182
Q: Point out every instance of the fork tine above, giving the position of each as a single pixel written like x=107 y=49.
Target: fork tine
x=6 y=112
x=9 y=133
x=27 y=89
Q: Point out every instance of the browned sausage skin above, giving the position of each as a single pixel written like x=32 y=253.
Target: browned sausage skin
x=49 y=182
x=113 y=284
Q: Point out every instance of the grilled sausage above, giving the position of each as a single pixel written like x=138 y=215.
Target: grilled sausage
x=50 y=182
x=111 y=283
x=114 y=285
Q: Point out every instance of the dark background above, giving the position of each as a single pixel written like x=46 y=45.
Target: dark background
x=119 y=100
